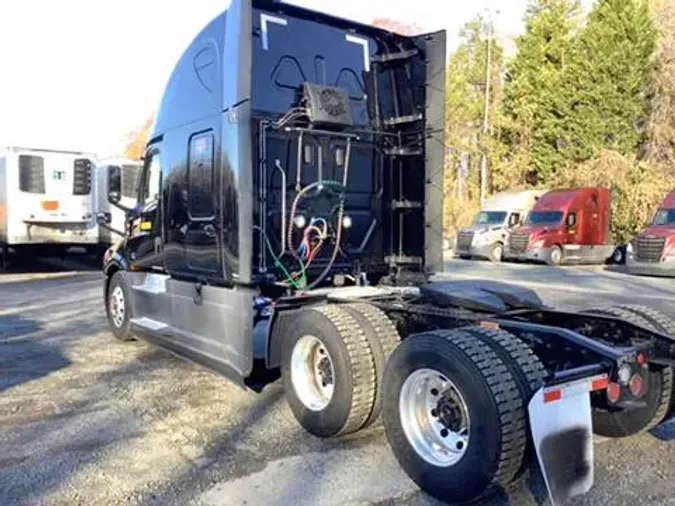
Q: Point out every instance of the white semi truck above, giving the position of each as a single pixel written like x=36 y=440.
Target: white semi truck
x=492 y=226
x=47 y=201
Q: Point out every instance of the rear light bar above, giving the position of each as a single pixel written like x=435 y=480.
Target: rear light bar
x=593 y=384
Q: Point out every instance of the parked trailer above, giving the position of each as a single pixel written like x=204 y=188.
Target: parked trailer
x=565 y=227
x=653 y=250
x=498 y=217
x=46 y=201
x=117 y=176
x=270 y=206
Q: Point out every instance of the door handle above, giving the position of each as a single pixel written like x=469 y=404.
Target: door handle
x=209 y=230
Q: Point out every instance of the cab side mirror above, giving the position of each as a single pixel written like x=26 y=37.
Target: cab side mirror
x=114 y=184
x=571 y=220
x=103 y=218
x=514 y=220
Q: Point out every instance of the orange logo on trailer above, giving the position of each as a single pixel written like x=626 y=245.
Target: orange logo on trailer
x=3 y=212
x=50 y=205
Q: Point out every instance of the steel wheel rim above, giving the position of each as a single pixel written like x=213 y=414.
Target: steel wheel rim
x=434 y=417
x=497 y=252
x=556 y=256
x=117 y=306
x=312 y=373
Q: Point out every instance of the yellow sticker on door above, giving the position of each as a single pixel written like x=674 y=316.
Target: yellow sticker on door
x=146 y=226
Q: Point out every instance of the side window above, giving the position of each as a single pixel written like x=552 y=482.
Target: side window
x=128 y=176
x=572 y=220
x=150 y=189
x=200 y=175
x=31 y=174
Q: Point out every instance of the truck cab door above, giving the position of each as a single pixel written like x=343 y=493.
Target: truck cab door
x=572 y=228
x=202 y=239
x=144 y=244
x=592 y=227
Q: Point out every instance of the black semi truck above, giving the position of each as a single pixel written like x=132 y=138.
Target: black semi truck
x=289 y=225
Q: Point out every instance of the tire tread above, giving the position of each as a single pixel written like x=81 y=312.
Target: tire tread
x=387 y=337
x=361 y=363
x=508 y=399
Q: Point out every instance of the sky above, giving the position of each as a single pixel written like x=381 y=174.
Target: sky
x=80 y=74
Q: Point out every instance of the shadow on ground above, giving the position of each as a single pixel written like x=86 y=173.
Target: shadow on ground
x=23 y=360
x=33 y=264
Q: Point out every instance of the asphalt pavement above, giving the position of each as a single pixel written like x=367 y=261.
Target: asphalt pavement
x=85 y=419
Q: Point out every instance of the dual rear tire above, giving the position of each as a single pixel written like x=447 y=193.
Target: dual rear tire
x=332 y=364
x=455 y=410
x=453 y=402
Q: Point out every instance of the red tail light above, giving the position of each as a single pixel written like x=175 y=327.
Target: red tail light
x=636 y=385
x=613 y=392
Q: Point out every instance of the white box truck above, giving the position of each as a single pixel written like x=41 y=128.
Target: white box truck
x=47 y=201
x=498 y=216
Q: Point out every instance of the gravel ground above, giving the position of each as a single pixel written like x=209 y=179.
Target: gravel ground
x=87 y=420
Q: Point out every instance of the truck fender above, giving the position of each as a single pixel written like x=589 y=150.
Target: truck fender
x=116 y=263
x=278 y=323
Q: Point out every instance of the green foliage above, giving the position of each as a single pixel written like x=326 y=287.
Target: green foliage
x=607 y=82
x=465 y=102
x=584 y=103
x=660 y=146
x=533 y=105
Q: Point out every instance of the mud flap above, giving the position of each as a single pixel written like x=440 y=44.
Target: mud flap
x=665 y=431
x=562 y=432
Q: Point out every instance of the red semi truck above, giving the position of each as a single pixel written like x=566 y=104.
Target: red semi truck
x=653 y=250
x=565 y=227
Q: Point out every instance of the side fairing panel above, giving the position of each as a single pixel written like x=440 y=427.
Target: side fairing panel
x=434 y=150
x=236 y=147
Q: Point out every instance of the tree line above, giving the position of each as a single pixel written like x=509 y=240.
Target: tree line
x=585 y=100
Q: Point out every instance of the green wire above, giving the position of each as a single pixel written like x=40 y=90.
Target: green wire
x=277 y=262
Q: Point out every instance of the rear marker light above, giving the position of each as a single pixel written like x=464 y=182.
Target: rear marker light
x=613 y=392
x=576 y=387
x=636 y=385
x=600 y=384
x=552 y=396
x=489 y=325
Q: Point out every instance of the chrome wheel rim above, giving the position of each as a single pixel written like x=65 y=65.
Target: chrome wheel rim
x=312 y=373
x=117 y=306
x=434 y=417
x=497 y=253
